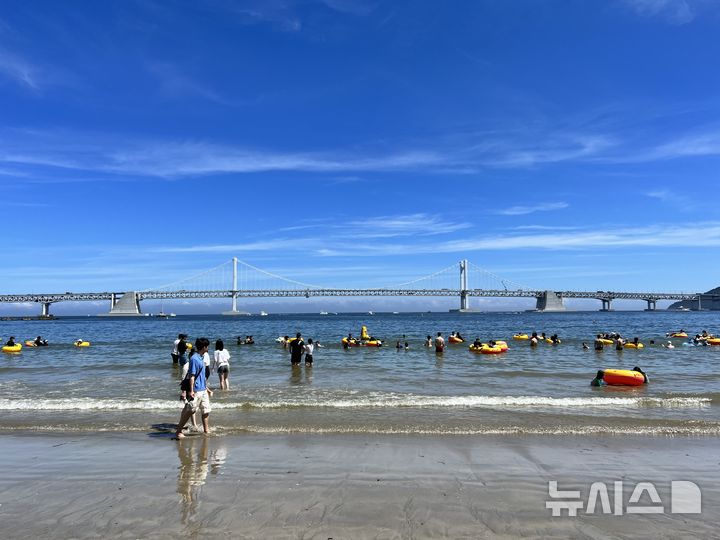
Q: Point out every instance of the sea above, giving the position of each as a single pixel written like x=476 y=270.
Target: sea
x=126 y=381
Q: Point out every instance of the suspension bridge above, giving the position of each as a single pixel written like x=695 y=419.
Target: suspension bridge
x=235 y=279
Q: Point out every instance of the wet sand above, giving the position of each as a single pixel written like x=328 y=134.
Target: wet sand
x=117 y=485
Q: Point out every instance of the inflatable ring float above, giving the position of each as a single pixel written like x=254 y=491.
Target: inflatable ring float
x=623 y=377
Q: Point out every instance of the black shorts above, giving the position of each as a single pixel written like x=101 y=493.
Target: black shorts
x=207 y=372
x=175 y=358
x=224 y=369
x=308 y=358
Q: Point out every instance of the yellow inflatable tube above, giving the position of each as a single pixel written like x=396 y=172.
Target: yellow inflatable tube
x=82 y=344
x=487 y=349
x=714 y=341
x=634 y=346
x=12 y=348
x=30 y=343
x=521 y=337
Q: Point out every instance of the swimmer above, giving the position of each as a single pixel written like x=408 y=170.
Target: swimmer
x=598 y=380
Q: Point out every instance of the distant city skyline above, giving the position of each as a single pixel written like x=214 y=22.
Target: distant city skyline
x=561 y=145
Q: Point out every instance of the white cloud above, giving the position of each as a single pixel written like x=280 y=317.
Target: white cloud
x=523 y=210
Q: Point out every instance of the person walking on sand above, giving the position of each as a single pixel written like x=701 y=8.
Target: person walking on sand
x=439 y=343
x=198 y=394
x=297 y=347
x=221 y=364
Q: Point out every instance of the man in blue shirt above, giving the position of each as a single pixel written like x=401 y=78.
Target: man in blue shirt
x=197 y=393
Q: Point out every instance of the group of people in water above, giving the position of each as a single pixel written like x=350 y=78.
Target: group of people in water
x=618 y=342
x=37 y=342
x=247 y=340
x=298 y=348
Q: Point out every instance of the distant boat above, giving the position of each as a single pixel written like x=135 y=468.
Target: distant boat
x=370 y=313
x=162 y=314
x=324 y=313
x=396 y=313
x=263 y=314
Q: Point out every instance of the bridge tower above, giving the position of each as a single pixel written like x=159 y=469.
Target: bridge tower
x=234 y=294
x=464 y=297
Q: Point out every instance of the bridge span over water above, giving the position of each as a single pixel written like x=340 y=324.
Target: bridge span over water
x=242 y=280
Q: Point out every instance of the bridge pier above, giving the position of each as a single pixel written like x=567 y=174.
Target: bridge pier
x=128 y=305
x=45 y=313
x=652 y=304
x=606 y=304
x=549 y=301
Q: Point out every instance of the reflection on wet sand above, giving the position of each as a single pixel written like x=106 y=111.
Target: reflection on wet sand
x=193 y=455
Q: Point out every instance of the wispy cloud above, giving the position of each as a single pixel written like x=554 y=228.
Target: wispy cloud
x=18 y=70
x=408 y=225
x=176 y=84
x=692 y=145
x=351 y=7
x=278 y=13
x=675 y=199
x=336 y=245
x=267 y=245
x=26 y=150
x=673 y=11
x=522 y=210
x=666 y=236
x=560 y=148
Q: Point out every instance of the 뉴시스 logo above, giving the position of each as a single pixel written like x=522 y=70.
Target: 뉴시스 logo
x=685 y=498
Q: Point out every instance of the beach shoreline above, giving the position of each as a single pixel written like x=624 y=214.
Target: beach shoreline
x=132 y=485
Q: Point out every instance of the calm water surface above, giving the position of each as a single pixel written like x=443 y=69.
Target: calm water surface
x=126 y=380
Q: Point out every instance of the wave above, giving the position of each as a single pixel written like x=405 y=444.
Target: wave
x=375 y=401
x=712 y=430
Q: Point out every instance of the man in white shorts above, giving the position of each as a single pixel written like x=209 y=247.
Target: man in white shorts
x=197 y=393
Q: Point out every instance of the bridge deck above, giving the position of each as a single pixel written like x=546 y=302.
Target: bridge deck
x=307 y=293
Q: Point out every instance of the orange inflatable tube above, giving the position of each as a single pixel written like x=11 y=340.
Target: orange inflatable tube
x=623 y=377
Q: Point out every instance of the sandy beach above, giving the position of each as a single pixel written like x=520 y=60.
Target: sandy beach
x=339 y=486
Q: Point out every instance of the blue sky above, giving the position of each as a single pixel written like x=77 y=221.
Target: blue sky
x=561 y=145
